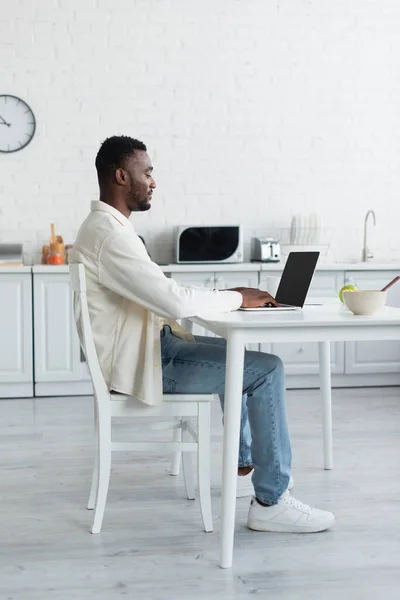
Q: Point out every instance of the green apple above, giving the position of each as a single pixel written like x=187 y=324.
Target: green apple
x=347 y=288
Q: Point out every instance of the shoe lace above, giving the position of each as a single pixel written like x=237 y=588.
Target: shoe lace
x=288 y=499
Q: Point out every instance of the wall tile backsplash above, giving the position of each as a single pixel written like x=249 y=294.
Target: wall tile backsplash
x=251 y=111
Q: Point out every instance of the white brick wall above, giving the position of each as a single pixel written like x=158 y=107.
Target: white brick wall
x=252 y=110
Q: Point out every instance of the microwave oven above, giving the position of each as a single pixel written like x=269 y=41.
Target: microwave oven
x=209 y=244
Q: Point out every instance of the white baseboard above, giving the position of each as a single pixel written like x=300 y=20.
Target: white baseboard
x=16 y=390
x=64 y=388
x=343 y=381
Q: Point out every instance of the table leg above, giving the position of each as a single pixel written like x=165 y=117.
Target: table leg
x=232 y=411
x=326 y=398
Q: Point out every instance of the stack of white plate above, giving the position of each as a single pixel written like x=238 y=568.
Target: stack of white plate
x=306 y=230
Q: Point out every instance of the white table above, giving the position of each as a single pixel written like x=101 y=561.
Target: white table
x=322 y=324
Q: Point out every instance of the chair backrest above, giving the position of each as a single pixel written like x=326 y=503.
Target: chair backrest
x=84 y=327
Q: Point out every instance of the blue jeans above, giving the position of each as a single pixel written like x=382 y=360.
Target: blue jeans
x=264 y=439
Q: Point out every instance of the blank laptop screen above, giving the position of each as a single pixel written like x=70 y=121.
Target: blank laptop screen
x=296 y=278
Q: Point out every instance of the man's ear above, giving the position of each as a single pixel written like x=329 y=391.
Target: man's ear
x=121 y=176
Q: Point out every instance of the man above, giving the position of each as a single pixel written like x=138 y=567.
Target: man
x=143 y=351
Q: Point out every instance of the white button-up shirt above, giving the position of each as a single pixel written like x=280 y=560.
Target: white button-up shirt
x=127 y=294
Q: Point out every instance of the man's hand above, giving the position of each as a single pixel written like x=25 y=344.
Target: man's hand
x=254 y=298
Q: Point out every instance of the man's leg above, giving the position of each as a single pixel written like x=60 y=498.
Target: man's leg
x=200 y=368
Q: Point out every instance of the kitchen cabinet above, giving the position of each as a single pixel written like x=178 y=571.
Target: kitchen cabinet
x=16 y=350
x=218 y=280
x=204 y=280
x=59 y=369
x=302 y=359
x=225 y=280
x=374 y=357
x=228 y=280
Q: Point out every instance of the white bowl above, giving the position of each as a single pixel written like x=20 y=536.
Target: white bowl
x=365 y=302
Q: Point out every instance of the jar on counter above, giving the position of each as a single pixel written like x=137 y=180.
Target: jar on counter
x=55 y=258
x=45 y=255
x=56 y=254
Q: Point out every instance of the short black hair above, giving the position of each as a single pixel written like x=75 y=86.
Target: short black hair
x=113 y=153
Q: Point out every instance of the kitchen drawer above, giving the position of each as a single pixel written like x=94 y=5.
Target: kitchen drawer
x=302 y=358
x=325 y=284
x=375 y=356
x=234 y=279
x=218 y=280
x=204 y=280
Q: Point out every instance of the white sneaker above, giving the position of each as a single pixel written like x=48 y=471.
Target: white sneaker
x=244 y=487
x=288 y=516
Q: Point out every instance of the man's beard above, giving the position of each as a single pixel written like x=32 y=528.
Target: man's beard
x=140 y=204
x=143 y=205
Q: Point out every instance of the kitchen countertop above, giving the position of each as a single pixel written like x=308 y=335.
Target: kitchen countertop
x=347 y=266
x=15 y=269
x=50 y=268
x=234 y=267
x=213 y=267
x=218 y=267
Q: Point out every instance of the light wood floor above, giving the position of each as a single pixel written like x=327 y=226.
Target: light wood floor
x=152 y=546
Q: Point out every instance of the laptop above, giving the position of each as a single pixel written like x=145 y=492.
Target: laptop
x=295 y=282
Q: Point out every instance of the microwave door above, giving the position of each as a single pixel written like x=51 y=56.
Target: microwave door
x=208 y=244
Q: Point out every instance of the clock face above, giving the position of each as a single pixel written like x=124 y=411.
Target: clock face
x=17 y=124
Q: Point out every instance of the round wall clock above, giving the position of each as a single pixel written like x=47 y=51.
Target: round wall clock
x=17 y=124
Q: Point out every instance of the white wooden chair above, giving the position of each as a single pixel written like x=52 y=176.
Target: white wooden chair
x=174 y=413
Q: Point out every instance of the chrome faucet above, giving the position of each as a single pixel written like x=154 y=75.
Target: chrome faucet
x=367 y=254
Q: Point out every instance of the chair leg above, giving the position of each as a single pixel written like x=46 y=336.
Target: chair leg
x=203 y=463
x=187 y=467
x=95 y=475
x=104 y=470
x=176 y=456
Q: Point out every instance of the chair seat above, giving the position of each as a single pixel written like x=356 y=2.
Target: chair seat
x=167 y=397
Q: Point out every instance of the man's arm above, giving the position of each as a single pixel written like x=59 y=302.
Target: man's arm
x=126 y=269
